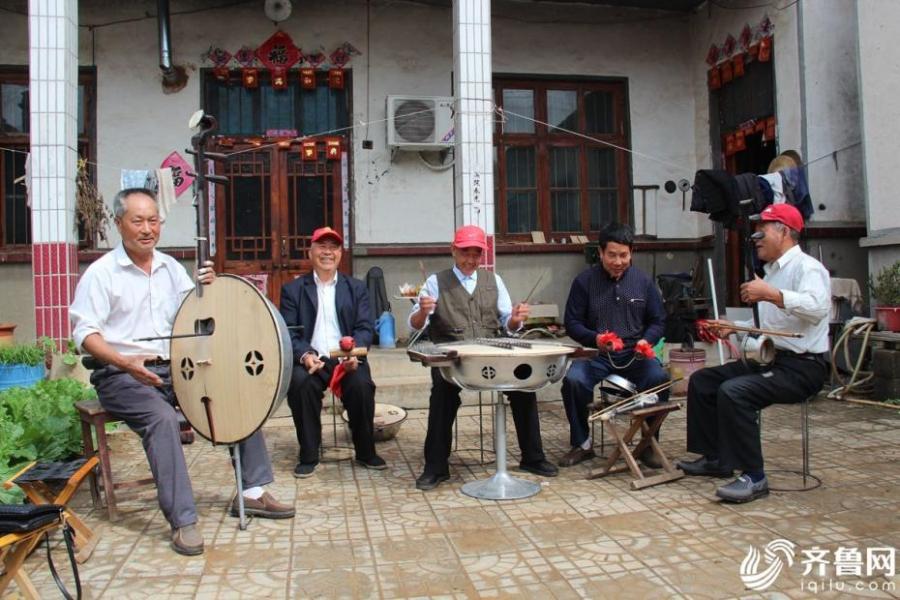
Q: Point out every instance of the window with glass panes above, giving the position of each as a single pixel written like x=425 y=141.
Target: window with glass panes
x=15 y=215
x=557 y=168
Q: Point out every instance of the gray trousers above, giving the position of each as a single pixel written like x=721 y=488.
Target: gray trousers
x=150 y=412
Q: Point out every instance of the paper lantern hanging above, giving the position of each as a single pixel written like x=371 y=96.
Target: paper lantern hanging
x=765 y=49
x=727 y=72
x=250 y=78
x=308 y=150
x=746 y=37
x=279 y=78
x=336 y=79
x=222 y=72
x=220 y=59
x=715 y=80
x=333 y=148
x=308 y=78
x=737 y=64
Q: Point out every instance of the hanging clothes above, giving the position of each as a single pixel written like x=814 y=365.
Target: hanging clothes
x=715 y=194
x=777 y=184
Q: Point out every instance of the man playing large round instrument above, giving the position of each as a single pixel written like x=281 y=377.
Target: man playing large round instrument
x=130 y=293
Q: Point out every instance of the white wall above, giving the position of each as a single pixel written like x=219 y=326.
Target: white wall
x=879 y=29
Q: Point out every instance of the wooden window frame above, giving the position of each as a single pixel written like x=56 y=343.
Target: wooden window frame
x=87 y=77
x=543 y=139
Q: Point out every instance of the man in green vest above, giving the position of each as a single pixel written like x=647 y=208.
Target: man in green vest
x=464 y=303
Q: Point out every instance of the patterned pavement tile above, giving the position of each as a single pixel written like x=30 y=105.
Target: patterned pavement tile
x=337 y=582
x=166 y=587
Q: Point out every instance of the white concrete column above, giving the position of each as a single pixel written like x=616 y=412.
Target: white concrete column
x=53 y=89
x=474 y=172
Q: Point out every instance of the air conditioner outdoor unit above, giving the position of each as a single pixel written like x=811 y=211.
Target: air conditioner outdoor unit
x=419 y=122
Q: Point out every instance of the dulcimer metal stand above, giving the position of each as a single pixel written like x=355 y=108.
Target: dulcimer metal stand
x=502 y=485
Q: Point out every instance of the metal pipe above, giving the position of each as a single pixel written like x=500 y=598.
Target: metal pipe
x=165 y=41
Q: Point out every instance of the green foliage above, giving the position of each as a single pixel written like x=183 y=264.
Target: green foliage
x=886 y=285
x=39 y=423
x=24 y=354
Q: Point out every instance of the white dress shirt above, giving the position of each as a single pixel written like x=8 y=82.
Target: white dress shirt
x=121 y=302
x=327 y=331
x=806 y=287
x=504 y=304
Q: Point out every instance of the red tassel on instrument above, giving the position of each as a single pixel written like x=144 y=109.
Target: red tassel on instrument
x=336 y=376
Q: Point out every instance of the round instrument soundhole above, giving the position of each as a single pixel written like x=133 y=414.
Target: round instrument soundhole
x=187 y=368
x=488 y=372
x=551 y=370
x=523 y=371
x=253 y=363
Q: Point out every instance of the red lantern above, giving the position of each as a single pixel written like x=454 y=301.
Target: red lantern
x=727 y=73
x=308 y=150
x=765 y=49
x=336 y=79
x=221 y=72
x=250 y=78
x=715 y=81
x=308 y=78
x=333 y=148
x=279 y=78
x=729 y=144
x=738 y=65
x=770 y=129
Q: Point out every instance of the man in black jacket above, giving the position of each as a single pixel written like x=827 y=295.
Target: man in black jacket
x=618 y=298
x=329 y=305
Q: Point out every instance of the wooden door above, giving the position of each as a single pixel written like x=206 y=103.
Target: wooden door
x=266 y=214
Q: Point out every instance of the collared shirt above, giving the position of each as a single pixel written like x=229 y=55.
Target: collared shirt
x=327 y=331
x=121 y=302
x=806 y=287
x=504 y=304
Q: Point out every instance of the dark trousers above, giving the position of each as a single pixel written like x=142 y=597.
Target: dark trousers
x=443 y=405
x=150 y=412
x=578 y=388
x=358 y=397
x=724 y=404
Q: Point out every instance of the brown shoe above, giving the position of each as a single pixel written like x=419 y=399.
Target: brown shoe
x=187 y=540
x=575 y=456
x=266 y=506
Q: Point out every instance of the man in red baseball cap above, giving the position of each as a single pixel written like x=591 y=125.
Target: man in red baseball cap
x=474 y=303
x=724 y=401
x=322 y=307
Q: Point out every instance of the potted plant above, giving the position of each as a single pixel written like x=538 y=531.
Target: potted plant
x=39 y=423
x=22 y=364
x=886 y=290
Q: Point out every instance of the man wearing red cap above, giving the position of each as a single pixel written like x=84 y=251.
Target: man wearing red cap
x=460 y=303
x=322 y=307
x=724 y=401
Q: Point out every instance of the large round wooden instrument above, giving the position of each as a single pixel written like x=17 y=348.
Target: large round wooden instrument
x=230 y=352
x=501 y=364
x=230 y=381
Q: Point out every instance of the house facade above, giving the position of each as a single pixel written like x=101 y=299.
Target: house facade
x=595 y=106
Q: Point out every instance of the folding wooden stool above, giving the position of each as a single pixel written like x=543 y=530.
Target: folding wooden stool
x=638 y=423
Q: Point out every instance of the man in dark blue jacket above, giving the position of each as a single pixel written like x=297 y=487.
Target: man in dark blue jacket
x=615 y=297
x=329 y=305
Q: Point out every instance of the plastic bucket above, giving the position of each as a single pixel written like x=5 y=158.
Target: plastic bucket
x=20 y=375
x=385 y=327
x=888 y=318
x=683 y=363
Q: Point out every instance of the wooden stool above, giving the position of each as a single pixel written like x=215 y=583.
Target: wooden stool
x=93 y=416
x=39 y=492
x=14 y=549
x=648 y=432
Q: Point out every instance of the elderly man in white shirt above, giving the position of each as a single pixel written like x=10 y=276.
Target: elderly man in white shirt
x=130 y=293
x=723 y=401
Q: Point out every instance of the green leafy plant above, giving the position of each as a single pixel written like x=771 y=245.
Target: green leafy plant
x=886 y=285
x=39 y=423
x=24 y=354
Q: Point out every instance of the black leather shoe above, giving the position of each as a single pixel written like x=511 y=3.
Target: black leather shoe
x=703 y=467
x=429 y=481
x=375 y=462
x=304 y=470
x=541 y=467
